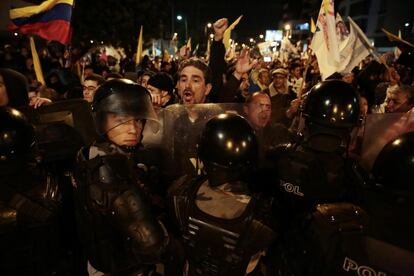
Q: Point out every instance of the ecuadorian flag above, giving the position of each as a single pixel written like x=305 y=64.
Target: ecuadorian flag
x=49 y=20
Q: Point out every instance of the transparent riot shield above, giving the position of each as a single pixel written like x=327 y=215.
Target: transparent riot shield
x=379 y=130
x=62 y=128
x=181 y=127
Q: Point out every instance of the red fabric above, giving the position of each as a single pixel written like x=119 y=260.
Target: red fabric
x=59 y=30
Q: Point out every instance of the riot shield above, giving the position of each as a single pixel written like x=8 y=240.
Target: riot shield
x=183 y=125
x=62 y=128
x=379 y=130
x=179 y=135
x=154 y=137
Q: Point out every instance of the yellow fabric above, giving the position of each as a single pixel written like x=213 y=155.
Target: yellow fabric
x=327 y=6
x=32 y=10
x=393 y=37
x=139 y=47
x=227 y=33
x=36 y=62
x=189 y=44
x=231 y=54
x=166 y=56
x=78 y=69
x=313 y=26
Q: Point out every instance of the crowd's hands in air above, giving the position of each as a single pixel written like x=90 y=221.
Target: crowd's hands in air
x=219 y=28
x=244 y=63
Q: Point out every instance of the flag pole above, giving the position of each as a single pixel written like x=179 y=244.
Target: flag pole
x=36 y=62
x=305 y=72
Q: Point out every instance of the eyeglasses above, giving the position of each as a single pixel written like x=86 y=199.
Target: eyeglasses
x=89 y=88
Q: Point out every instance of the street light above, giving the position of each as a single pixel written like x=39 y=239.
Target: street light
x=179 y=18
x=207 y=27
x=261 y=36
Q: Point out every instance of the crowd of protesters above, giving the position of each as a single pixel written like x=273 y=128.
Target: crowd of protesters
x=385 y=87
x=271 y=92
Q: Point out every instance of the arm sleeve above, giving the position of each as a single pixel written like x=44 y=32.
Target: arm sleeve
x=229 y=90
x=218 y=67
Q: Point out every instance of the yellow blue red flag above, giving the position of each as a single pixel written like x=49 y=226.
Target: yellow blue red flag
x=49 y=20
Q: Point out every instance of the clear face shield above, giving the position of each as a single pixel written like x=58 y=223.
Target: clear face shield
x=120 y=109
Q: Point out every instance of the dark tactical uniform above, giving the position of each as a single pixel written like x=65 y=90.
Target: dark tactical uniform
x=316 y=178
x=29 y=204
x=343 y=239
x=389 y=202
x=119 y=232
x=224 y=228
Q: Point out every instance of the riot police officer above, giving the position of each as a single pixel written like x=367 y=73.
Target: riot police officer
x=315 y=171
x=223 y=226
x=388 y=201
x=344 y=239
x=29 y=206
x=119 y=232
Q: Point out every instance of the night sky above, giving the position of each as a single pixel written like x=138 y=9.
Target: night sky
x=118 y=21
x=258 y=15
x=115 y=19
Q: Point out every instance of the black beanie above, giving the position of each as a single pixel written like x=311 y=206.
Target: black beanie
x=162 y=81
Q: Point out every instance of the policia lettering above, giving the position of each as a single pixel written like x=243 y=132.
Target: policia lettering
x=290 y=188
x=363 y=270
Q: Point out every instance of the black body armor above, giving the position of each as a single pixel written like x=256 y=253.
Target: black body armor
x=30 y=203
x=217 y=246
x=336 y=239
x=117 y=228
x=307 y=177
x=30 y=241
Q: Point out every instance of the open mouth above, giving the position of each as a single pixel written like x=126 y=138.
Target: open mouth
x=188 y=96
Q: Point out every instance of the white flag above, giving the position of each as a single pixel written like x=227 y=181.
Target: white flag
x=341 y=30
x=346 y=42
x=325 y=42
x=286 y=48
x=358 y=48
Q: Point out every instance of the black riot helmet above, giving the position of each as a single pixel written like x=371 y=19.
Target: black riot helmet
x=122 y=96
x=394 y=167
x=228 y=149
x=17 y=138
x=333 y=104
x=331 y=109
